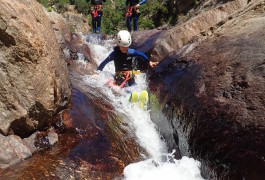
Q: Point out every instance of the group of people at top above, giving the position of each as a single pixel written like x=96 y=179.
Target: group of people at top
x=132 y=13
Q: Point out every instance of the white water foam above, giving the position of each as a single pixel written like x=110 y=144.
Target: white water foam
x=159 y=163
x=184 y=169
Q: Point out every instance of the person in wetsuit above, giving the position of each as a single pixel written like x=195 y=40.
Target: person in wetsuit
x=123 y=57
x=133 y=13
x=96 y=13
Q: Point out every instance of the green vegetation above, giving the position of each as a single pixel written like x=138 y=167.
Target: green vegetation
x=81 y=6
x=61 y=4
x=72 y=29
x=45 y=3
x=49 y=9
x=113 y=17
x=154 y=13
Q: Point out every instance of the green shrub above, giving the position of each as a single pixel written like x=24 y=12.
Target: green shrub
x=145 y=23
x=61 y=5
x=154 y=13
x=49 y=9
x=81 y=6
x=113 y=18
x=72 y=2
x=45 y=3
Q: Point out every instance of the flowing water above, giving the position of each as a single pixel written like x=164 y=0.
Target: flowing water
x=160 y=162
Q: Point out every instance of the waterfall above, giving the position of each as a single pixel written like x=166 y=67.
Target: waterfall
x=159 y=163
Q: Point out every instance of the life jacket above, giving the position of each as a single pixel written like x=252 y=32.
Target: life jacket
x=133 y=2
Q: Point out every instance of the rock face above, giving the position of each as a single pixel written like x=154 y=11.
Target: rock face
x=34 y=80
x=184 y=5
x=14 y=150
x=144 y=40
x=210 y=88
x=60 y=28
x=77 y=23
x=179 y=36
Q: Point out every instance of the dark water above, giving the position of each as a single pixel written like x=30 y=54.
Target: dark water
x=91 y=145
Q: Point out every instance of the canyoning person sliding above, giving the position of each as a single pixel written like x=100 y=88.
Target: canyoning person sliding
x=133 y=13
x=124 y=71
x=96 y=14
x=123 y=60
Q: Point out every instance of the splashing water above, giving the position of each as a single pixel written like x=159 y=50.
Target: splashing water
x=159 y=164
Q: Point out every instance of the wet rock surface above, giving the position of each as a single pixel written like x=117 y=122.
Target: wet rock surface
x=209 y=88
x=77 y=48
x=212 y=95
x=14 y=149
x=93 y=143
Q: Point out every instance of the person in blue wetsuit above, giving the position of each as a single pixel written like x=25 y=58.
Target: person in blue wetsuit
x=96 y=13
x=123 y=60
x=133 y=13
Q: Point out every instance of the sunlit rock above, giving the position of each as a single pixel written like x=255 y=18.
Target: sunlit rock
x=175 y=38
x=53 y=137
x=34 y=79
x=12 y=150
x=60 y=28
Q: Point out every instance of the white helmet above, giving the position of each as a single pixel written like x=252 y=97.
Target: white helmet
x=124 y=38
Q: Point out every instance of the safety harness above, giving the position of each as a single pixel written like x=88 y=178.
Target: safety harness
x=122 y=77
x=129 y=12
x=95 y=11
x=125 y=78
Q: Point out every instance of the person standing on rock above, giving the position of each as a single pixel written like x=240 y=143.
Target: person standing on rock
x=133 y=13
x=123 y=60
x=96 y=14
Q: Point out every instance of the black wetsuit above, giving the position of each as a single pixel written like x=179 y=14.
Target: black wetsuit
x=123 y=61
